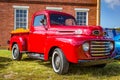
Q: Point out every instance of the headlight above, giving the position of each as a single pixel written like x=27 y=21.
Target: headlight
x=111 y=46
x=86 y=46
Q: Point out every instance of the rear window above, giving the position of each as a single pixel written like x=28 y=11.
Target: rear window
x=59 y=19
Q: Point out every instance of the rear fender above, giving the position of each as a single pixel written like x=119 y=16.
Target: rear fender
x=18 y=40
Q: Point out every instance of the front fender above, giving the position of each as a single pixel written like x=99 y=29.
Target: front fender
x=66 y=45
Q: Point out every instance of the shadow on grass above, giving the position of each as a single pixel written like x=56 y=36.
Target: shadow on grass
x=28 y=59
x=46 y=63
x=4 y=62
x=40 y=62
x=112 y=69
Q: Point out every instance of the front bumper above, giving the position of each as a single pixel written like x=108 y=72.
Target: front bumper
x=95 y=62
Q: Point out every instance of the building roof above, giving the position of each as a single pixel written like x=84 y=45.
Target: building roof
x=90 y=2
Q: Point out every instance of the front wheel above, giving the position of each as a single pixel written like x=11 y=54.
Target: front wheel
x=59 y=63
x=16 y=55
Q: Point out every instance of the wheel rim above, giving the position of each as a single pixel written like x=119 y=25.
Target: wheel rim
x=15 y=52
x=56 y=61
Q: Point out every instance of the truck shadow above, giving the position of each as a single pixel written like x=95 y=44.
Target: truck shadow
x=4 y=62
x=112 y=69
x=40 y=62
x=28 y=59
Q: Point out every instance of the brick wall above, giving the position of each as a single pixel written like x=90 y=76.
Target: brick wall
x=7 y=12
x=6 y=22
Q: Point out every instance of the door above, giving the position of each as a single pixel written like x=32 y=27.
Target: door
x=37 y=36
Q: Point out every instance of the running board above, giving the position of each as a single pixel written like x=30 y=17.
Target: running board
x=34 y=55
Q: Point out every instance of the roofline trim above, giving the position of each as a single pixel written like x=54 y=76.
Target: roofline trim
x=14 y=6
x=81 y=9
x=54 y=8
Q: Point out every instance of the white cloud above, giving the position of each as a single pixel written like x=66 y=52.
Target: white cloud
x=113 y=3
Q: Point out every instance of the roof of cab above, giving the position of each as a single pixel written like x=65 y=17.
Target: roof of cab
x=51 y=12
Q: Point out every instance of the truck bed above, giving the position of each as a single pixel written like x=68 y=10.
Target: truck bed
x=20 y=30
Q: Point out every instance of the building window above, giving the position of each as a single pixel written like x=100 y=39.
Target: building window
x=54 y=8
x=20 y=17
x=82 y=16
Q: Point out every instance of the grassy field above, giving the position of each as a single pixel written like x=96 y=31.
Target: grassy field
x=30 y=69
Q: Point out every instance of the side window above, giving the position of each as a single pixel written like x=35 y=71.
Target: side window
x=40 y=20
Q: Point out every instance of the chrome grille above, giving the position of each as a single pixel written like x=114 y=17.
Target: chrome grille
x=99 y=48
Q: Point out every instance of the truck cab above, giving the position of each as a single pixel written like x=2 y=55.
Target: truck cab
x=56 y=35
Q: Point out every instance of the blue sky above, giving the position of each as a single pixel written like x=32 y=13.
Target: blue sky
x=110 y=13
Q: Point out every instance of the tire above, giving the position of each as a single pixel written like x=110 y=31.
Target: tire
x=59 y=63
x=100 y=65
x=16 y=55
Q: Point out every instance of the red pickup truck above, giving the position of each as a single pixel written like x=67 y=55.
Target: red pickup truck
x=55 y=35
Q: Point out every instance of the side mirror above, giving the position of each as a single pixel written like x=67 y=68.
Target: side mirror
x=43 y=22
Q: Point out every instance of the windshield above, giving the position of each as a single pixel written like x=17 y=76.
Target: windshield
x=59 y=19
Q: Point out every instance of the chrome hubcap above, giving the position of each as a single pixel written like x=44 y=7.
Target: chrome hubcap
x=57 y=62
x=15 y=53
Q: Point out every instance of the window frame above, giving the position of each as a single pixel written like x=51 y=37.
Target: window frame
x=82 y=10
x=20 y=8
x=55 y=8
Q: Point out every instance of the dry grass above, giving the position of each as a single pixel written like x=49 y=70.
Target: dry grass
x=30 y=69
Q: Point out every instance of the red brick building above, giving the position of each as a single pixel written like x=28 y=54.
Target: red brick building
x=18 y=13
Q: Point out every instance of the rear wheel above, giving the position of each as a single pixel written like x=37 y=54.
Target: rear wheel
x=16 y=55
x=59 y=63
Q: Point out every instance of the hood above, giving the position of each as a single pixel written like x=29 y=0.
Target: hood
x=81 y=30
